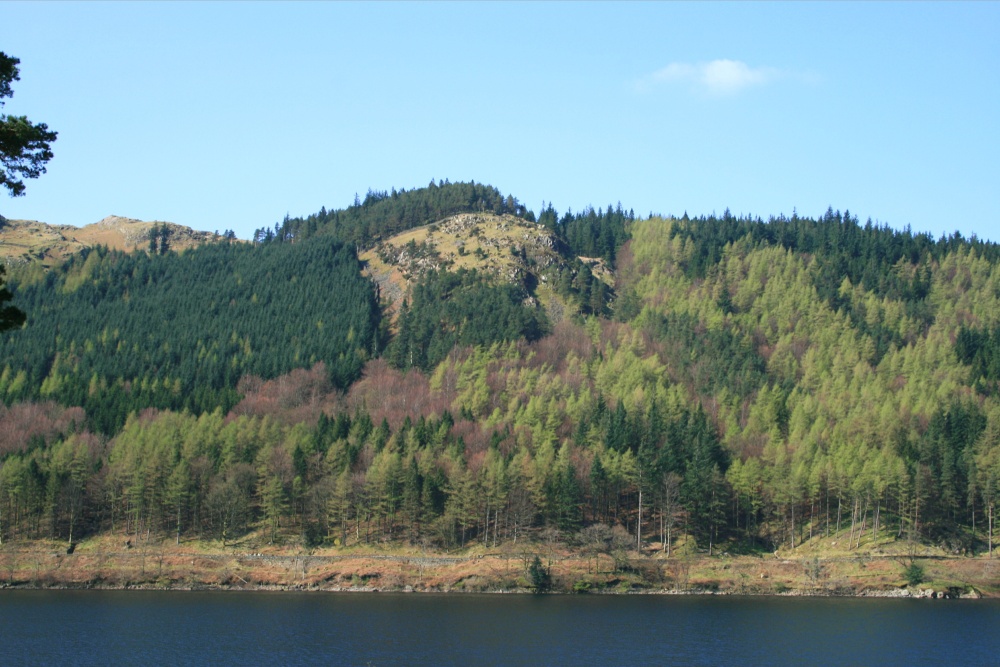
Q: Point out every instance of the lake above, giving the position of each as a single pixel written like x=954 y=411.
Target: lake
x=247 y=628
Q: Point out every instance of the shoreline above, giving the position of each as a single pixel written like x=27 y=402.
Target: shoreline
x=901 y=594
x=162 y=566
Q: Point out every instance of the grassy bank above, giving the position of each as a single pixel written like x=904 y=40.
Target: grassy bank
x=816 y=568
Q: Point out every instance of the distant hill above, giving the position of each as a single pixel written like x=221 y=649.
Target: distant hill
x=382 y=214
x=27 y=241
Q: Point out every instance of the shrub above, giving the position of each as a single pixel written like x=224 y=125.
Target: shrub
x=539 y=575
x=914 y=574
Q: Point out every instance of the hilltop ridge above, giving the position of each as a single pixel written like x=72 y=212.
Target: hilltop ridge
x=27 y=241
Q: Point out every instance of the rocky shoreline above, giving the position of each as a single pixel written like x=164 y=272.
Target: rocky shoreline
x=904 y=593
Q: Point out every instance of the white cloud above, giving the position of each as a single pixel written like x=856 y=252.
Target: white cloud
x=718 y=77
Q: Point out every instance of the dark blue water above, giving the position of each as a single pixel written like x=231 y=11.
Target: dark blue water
x=186 y=628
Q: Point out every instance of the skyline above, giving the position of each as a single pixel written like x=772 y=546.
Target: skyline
x=232 y=115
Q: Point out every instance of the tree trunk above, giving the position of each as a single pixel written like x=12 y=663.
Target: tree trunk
x=878 y=505
x=828 y=511
x=486 y=531
x=793 y=526
x=899 y=510
x=854 y=516
x=812 y=507
x=864 y=520
x=973 y=525
x=638 y=527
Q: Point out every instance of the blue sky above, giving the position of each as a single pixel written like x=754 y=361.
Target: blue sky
x=230 y=115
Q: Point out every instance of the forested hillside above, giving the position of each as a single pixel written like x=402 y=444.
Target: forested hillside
x=750 y=386
x=382 y=214
x=118 y=332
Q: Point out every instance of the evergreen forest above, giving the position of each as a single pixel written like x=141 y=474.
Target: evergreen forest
x=115 y=333
x=746 y=385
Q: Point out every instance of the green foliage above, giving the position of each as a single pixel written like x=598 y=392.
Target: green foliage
x=383 y=214
x=116 y=332
x=159 y=240
x=914 y=574
x=539 y=576
x=715 y=358
x=760 y=386
x=574 y=280
x=10 y=316
x=24 y=146
x=863 y=254
x=980 y=349
x=456 y=309
x=591 y=233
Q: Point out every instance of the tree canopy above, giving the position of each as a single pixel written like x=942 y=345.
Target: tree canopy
x=24 y=146
x=119 y=332
x=382 y=214
x=10 y=316
x=762 y=383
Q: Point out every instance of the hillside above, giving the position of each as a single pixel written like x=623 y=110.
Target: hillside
x=383 y=214
x=253 y=562
x=813 y=387
x=506 y=248
x=118 y=332
x=28 y=241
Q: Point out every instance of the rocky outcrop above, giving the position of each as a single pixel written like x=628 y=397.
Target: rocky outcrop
x=26 y=241
x=509 y=248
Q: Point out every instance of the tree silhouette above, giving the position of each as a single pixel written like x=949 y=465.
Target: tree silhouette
x=24 y=146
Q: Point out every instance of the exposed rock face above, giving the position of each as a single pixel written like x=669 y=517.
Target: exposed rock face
x=132 y=231
x=115 y=221
x=509 y=248
x=135 y=232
